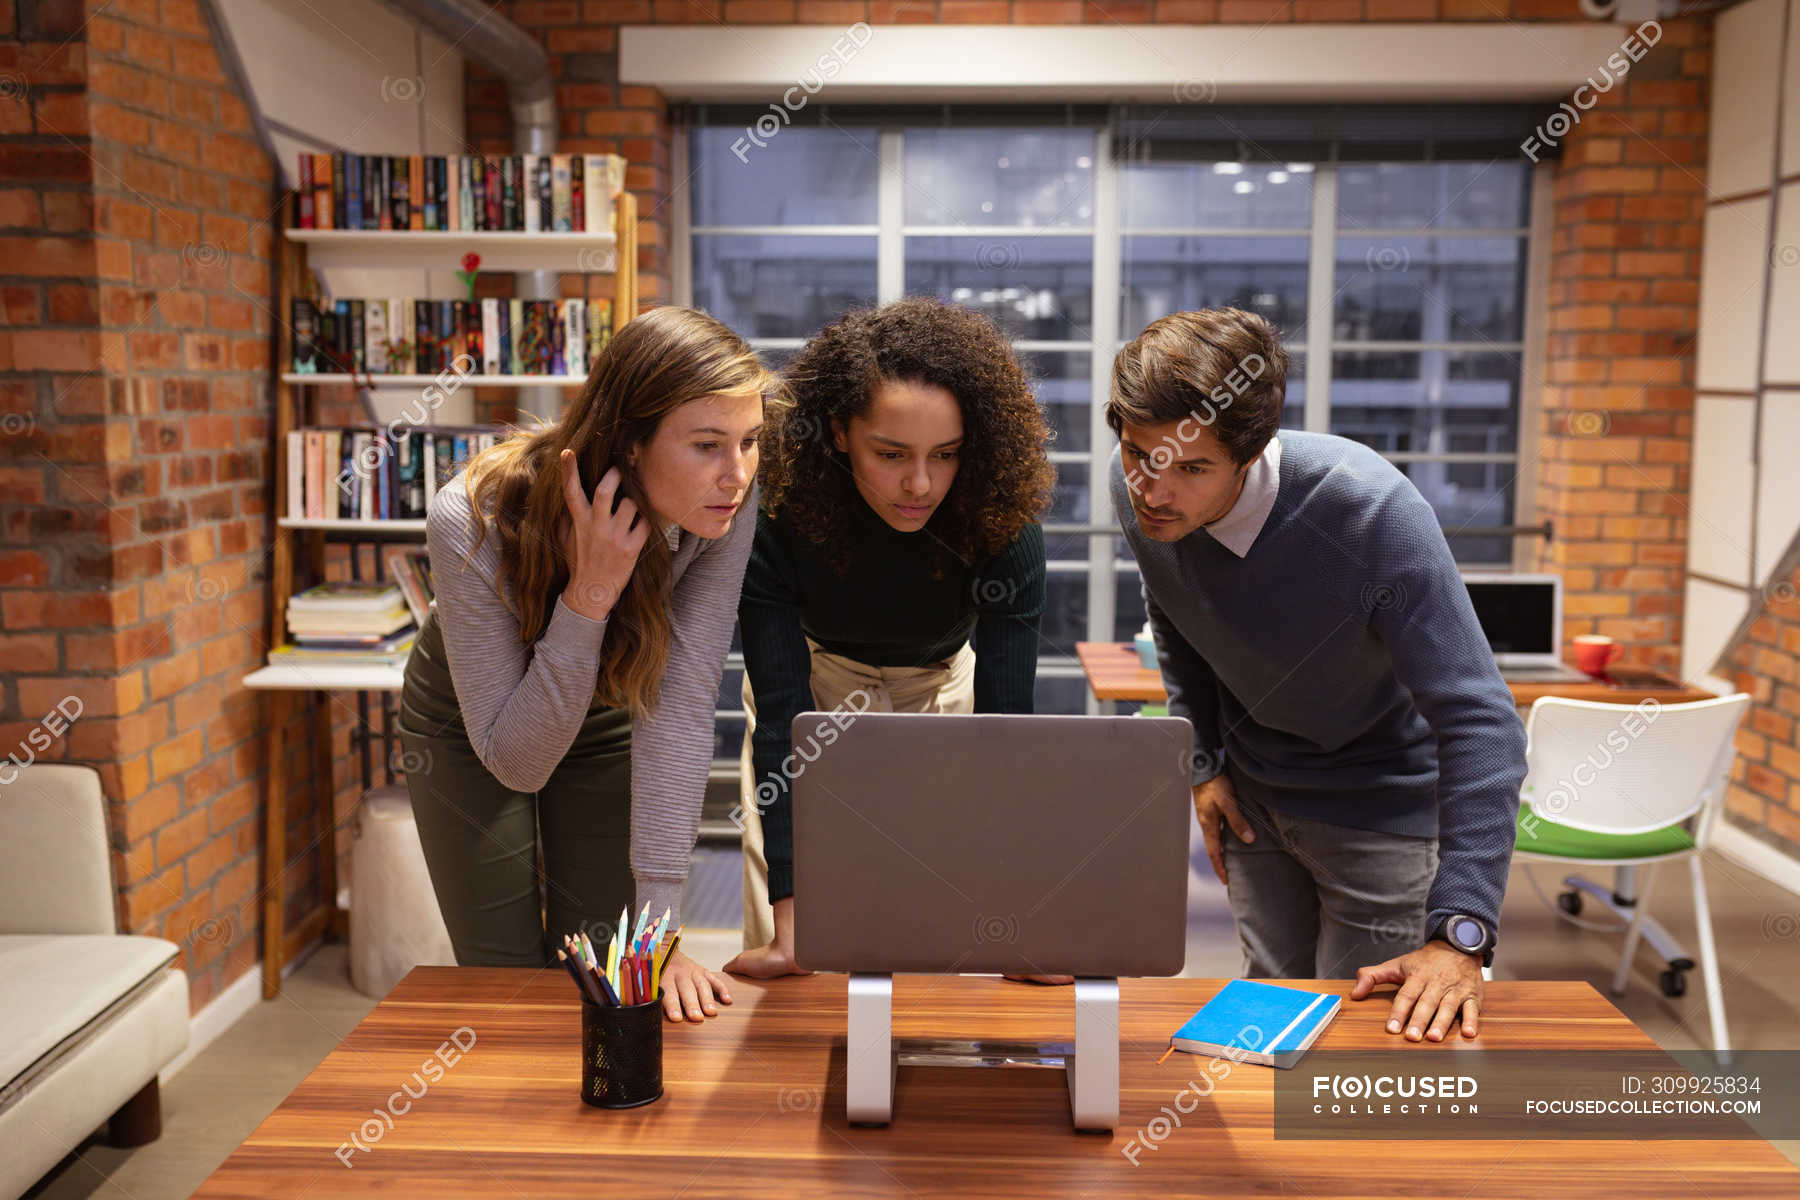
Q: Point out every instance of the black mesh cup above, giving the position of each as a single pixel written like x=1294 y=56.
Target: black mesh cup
x=621 y=1053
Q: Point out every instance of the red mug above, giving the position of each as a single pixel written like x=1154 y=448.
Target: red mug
x=1594 y=652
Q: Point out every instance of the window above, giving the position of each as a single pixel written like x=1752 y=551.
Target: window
x=1072 y=229
x=1428 y=335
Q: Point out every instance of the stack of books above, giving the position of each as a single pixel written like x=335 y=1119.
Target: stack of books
x=342 y=623
x=469 y=193
x=492 y=336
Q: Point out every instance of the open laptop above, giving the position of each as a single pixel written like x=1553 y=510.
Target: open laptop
x=943 y=843
x=1522 y=618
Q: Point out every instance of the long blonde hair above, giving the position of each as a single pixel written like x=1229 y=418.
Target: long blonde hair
x=653 y=365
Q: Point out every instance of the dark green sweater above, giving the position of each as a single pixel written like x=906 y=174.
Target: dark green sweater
x=886 y=611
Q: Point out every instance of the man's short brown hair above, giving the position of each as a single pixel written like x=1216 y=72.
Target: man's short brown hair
x=1221 y=366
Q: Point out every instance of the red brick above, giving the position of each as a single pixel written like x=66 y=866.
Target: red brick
x=759 y=12
x=1259 y=12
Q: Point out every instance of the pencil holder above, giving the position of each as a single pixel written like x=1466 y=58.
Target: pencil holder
x=621 y=1053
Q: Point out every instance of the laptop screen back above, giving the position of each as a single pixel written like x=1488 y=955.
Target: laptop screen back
x=1518 y=616
x=948 y=842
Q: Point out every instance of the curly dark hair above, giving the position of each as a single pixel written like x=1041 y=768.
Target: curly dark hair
x=1004 y=477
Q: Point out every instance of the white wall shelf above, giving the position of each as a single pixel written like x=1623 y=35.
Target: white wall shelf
x=425 y=249
x=419 y=381
x=326 y=677
x=346 y=525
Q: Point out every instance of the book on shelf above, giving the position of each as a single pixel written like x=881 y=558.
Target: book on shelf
x=386 y=652
x=375 y=336
x=410 y=569
x=467 y=193
x=345 y=611
x=304 y=321
x=490 y=336
x=375 y=474
x=361 y=629
x=344 y=596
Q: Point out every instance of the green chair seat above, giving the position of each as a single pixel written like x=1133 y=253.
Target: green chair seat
x=1540 y=836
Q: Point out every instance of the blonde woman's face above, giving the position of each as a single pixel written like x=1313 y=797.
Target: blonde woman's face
x=903 y=451
x=697 y=467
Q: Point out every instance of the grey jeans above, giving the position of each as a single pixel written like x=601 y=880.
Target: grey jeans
x=1316 y=901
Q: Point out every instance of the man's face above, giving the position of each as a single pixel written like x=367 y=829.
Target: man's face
x=1179 y=477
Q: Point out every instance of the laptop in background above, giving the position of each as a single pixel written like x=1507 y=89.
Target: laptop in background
x=1521 y=615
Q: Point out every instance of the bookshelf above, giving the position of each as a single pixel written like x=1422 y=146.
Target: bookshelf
x=299 y=545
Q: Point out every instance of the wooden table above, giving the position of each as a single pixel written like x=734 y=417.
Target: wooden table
x=1115 y=672
x=754 y=1106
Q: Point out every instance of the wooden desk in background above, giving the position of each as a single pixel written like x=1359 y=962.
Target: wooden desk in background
x=1114 y=672
x=754 y=1106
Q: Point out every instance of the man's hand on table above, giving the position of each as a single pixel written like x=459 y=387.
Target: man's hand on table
x=1437 y=983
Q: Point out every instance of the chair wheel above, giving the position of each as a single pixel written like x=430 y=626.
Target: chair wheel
x=1674 y=983
x=1569 y=902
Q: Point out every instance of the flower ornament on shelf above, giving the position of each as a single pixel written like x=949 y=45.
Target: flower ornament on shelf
x=399 y=353
x=471 y=267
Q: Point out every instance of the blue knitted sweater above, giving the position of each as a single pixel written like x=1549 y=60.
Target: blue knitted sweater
x=1339 y=666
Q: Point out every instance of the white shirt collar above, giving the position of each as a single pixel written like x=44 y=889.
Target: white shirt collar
x=672 y=535
x=1237 y=529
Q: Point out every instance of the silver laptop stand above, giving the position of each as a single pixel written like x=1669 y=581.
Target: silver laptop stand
x=1091 y=1063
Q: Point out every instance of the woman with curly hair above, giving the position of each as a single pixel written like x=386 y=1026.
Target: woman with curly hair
x=901 y=494
x=558 y=702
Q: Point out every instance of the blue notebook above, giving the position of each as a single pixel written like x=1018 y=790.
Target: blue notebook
x=1258 y=1022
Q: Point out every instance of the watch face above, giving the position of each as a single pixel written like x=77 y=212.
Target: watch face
x=1466 y=933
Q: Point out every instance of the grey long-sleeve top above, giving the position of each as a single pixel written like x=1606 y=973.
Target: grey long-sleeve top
x=522 y=706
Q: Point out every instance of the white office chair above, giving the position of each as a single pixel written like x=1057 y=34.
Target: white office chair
x=1632 y=786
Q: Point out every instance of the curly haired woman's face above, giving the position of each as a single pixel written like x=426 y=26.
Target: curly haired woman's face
x=903 y=450
x=697 y=467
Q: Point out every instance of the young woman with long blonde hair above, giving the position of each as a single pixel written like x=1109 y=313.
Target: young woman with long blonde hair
x=558 y=702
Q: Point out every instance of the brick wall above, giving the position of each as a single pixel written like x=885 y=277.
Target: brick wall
x=1623 y=311
x=1765 y=662
x=135 y=467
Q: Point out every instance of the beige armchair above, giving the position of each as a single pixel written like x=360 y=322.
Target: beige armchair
x=90 y=1015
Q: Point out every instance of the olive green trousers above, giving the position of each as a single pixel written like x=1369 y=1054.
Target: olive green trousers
x=515 y=871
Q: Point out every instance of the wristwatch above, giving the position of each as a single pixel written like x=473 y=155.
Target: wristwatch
x=1468 y=934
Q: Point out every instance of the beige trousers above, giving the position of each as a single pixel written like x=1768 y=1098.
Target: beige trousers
x=946 y=686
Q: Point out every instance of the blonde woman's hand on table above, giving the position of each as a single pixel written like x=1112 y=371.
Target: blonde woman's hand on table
x=689 y=989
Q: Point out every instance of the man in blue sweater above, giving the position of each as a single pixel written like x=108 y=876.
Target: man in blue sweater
x=1350 y=726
